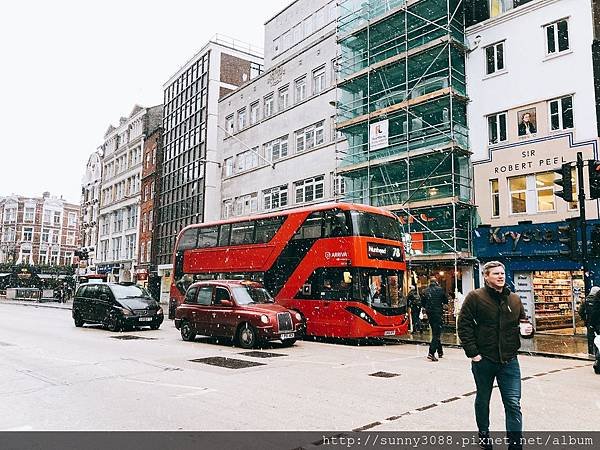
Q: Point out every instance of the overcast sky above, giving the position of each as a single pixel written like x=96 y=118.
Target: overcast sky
x=71 y=68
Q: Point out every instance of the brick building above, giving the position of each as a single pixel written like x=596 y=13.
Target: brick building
x=41 y=230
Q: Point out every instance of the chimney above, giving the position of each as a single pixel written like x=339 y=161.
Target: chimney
x=46 y=194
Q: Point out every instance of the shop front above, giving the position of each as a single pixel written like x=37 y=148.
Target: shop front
x=540 y=270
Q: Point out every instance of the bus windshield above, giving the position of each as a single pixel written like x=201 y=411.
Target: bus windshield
x=247 y=295
x=376 y=225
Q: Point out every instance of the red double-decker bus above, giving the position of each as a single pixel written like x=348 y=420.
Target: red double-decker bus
x=340 y=265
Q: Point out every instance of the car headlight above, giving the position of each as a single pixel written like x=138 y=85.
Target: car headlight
x=298 y=317
x=264 y=319
x=159 y=311
x=126 y=312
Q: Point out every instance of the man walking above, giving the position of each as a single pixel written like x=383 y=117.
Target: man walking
x=434 y=299
x=589 y=310
x=488 y=327
x=413 y=301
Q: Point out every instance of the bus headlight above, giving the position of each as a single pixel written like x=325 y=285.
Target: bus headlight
x=298 y=317
x=264 y=319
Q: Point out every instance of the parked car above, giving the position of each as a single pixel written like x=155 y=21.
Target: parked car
x=242 y=310
x=116 y=306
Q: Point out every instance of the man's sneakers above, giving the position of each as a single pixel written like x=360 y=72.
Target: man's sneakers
x=432 y=358
x=485 y=442
x=440 y=355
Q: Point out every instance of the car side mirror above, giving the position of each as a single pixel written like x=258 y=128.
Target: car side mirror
x=228 y=303
x=103 y=296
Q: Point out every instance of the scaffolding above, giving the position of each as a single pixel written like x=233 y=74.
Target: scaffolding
x=402 y=70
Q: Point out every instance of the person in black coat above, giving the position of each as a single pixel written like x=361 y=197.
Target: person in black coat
x=414 y=303
x=434 y=298
x=526 y=126
x=589 y=311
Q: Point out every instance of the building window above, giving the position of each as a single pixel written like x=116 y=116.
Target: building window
x=29 y=214
x=56 y=218
x=276 y=197
x=561 y=113
x=228 y=167
x=544 y=186
x=495 y=198
x=276 y=149
x=72 y=219
x=70 y=238
x=130 y=246
x=247 y=160
x=268 y=106
x=283 y=98
x=255 y=70
x=309 y=137
x=517 y=187
x=28 y=234
x=557 y=37
x=498 y=7
x=54 y=236
x=253 y=113
x=309 y=189
x=497 y=128
x=246 y=204
x=45 y=236
x=299 y=90
x=227 y=209
x=149 y=251
x=10 y=215
x=318 y=78
x=339 y=186
x=116 y=249
x=229 y=124
x=494 y=58
x=241 y=119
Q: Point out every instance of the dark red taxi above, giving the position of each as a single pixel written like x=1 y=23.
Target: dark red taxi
x=242 y=310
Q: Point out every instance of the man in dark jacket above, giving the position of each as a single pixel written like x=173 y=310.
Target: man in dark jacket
x=434 y=299
x=488 y=327
x=413 y=301
x=589 y=311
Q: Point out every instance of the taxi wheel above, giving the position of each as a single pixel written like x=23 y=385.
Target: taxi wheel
x=78 y=321
x=288 y=342
x=113 y=324
x=246 y=336
x=154 y=326
x=187 y=332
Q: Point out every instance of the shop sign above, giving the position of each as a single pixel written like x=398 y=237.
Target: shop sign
x=379 y=134
x=540 y=239
x=382 y=251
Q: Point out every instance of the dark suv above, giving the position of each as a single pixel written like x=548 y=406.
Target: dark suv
x=116 y=306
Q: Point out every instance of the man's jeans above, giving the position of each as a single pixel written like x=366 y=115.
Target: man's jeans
x=508 y=376
x=436 y=338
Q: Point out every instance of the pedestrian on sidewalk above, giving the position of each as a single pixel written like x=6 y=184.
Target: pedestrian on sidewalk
x=434 y=299
x=488 y=327
x=413 y=300
x=589 y=311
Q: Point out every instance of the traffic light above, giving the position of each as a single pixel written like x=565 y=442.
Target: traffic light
x=594 y=177
x=567 y=235
x=565 y=181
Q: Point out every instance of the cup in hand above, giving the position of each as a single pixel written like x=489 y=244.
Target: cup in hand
x=525 y=329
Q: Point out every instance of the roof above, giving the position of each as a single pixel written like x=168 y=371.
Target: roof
x=227 y=283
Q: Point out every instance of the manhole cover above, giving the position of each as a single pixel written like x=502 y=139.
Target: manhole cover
x=129 y=337
x=228 y=363
x=262 y=354
x=384 y=374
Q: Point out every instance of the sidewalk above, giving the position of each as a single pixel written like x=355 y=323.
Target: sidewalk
x=44 y=303
x=553 y=346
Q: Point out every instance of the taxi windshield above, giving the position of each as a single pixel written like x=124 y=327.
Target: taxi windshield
x=248 y=295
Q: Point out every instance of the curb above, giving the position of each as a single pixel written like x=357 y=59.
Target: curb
x=520 y=352
x=37 y=304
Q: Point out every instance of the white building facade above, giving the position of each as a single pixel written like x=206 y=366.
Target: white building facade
x=277 y=138
x=90 y=208
x=116 y=251
x=530 y=78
